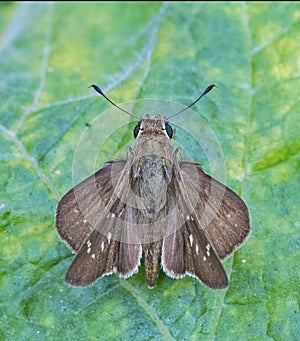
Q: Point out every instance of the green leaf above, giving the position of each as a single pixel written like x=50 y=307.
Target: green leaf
x=49 y=54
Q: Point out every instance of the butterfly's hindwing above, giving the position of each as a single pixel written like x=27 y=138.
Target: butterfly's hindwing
x=188 y=252
x=102 y=255
x=96 y=257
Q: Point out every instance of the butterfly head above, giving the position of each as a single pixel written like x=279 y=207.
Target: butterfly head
x=153 y=125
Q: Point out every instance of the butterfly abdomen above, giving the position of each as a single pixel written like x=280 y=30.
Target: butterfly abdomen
x=152 y=260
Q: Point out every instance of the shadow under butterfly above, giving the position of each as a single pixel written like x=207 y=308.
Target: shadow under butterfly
x=153 y=207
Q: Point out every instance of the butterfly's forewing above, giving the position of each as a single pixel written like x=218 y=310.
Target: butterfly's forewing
x=78 y=209
x=222 y=214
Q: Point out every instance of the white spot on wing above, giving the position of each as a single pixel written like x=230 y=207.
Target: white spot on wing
x=93 y=256
x=191 y=239
x=208 y=253
x=88 y=250
x=121 y=212
x=192 y=219
x=197 y=249
x=109 y=238
x=188 y=217
x=204 y=258
x=102 y=246
x=207 y=247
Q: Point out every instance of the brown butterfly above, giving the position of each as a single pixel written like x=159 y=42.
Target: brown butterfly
x=153 y=207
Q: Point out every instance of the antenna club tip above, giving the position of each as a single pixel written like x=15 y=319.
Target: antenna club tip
x=96 y=88
x=211 y=86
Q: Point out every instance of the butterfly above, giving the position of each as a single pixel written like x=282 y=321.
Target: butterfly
x=154 y=208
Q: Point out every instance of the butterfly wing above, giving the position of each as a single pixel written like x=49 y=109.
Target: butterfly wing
x=187 y=251
x=100 y=255
x=77 y=210
x=222 y=214
x=94 y=219
x=213 y=221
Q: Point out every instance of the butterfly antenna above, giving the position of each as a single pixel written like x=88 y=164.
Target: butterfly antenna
x=96 y=88
x=206 y=91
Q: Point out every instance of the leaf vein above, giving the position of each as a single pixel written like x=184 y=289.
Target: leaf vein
x=148 y=309
x=127 y=69
x=24 y=154
x=45 y=63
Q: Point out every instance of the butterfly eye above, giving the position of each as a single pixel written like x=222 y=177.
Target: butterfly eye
x=169 y=130
x=136 y=130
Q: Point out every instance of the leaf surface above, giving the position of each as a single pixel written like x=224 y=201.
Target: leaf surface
x=49 y=55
